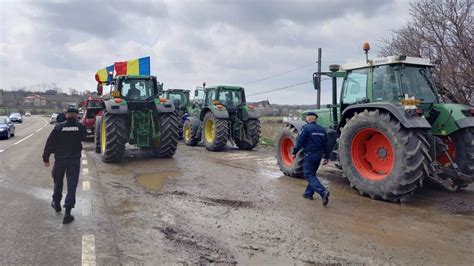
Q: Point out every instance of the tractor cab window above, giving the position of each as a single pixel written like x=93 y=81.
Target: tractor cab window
x=355 y=86
x=199 y=96
x=211 y=95
x=385 y=87
x=417 y=81
x=178 y=99
x=230 y=98
x=137 y=89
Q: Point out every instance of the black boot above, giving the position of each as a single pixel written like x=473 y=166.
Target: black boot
x=67 y=216
x=56 y=206
x=326 y=198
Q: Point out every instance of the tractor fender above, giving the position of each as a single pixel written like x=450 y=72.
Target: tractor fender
x=218 y=113
x=116 y=108
x=396 y=110
x=165 y=107
x=250 y=114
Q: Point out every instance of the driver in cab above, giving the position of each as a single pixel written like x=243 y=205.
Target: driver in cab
x=133 y=93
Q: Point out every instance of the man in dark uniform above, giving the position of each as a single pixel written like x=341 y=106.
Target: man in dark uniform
x=314 y=142
x=65 y=142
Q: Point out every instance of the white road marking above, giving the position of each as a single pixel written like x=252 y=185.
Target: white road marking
x=23 y=139
x=84 y=161
x=88 y=250
x=86 y=185
x=85 y=171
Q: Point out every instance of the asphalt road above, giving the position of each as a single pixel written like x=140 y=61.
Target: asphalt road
x=226 y=207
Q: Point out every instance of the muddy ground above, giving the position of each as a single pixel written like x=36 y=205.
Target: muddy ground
x=237 y=207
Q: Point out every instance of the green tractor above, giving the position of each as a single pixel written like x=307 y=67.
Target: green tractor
x=182 y=104
x=390 y=132
x=220 y=114
x=135 y=114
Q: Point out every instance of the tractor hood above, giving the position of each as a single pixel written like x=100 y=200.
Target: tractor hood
x=448 y=118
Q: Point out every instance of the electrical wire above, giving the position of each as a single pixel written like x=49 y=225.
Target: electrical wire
x=279 y=74
x=284 y=88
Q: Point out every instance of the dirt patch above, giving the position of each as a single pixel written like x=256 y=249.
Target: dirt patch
x=226 y=202
x=155 y=181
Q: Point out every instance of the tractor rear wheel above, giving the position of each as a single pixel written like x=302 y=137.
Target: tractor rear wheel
x=98 y=122
x=215 y=132
x=285 y=142
x=113 y=137
x=253 y=134
x=461 y=140
x=168 y=142
x=381 y=158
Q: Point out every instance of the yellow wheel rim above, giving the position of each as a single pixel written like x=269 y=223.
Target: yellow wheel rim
x=103 y=139
x=187 y=132
x=209 y=131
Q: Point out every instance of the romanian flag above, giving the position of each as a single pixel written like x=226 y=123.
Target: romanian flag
x=140 y=66
x=102 y=75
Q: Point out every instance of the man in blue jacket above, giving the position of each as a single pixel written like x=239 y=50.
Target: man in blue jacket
x=313 y=140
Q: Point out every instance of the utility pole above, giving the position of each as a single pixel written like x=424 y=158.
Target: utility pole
x=318 y=92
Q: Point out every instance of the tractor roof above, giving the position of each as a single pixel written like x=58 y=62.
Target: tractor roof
x=135 y=76
x=227 y=87
x=396 y=59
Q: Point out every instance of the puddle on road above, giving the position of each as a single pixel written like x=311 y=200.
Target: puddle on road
x=155 y=181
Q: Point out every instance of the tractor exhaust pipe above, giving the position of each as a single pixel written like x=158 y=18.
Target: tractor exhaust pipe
x=334 y=69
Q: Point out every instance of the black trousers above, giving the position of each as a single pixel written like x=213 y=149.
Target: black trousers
x=70 y=167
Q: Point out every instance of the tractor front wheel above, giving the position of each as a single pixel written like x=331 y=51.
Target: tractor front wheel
x=381 y=158
x=215 y=132
x=189 y=134
x=113 y=136
x=285 y=142
x=253 y=132
x=165 y=146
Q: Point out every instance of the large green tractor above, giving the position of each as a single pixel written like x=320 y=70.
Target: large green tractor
x=220 y=114
x=135 y=114
x=390 y=132
x=182 y=104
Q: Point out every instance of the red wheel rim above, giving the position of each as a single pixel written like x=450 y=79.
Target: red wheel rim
x=451 y=149
x=372 y=154
x=286 y=147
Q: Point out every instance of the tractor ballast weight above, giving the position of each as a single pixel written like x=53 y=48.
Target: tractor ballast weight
x=135 y=114
x=392 y=132
x=220 y=114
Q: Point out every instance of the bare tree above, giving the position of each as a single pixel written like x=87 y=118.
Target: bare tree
x=444 y=30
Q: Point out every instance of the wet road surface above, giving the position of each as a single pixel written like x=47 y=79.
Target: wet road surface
x=225 y=207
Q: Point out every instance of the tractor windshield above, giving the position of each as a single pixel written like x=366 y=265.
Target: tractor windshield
x=417 y=81
x=230 y=98
x=135 y=89
x=178 y=98
x=392 y=82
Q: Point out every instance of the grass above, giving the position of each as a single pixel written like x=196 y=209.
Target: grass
x=270 y=128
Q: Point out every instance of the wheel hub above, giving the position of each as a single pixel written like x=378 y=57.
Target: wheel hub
x=382 y=152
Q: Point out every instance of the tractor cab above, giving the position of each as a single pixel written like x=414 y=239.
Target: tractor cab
x=138 y=91
x=179 y=97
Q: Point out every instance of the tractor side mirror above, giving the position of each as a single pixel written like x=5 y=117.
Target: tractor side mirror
x=315 y=81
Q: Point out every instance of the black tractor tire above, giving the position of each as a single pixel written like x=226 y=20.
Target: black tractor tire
x=284 y=145
x=193 y=139
x=219 y=139
x=98 y=124
x=168 y=142
x=254 y=130
x=406 y=149
x=115 y=138
x=464 y=141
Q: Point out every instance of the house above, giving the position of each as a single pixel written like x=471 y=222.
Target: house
x=36 y=100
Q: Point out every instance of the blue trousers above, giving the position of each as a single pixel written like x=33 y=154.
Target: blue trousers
x=70 y=167
x=310 y=166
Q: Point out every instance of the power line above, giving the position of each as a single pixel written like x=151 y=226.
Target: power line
x=284 y=88
x=279 y=74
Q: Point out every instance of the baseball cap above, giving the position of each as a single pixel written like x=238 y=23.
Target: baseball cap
x=72 y=110
x=312 y=113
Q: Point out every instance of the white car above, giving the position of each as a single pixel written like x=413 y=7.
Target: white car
x=53 y=118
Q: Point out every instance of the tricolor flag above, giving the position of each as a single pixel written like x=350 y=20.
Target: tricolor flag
x=102 y=75
x=140 y=66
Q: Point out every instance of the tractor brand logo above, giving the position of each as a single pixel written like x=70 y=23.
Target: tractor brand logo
x=70 y=129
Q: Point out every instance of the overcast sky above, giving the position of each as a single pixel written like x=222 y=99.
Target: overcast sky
x=220 y=42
